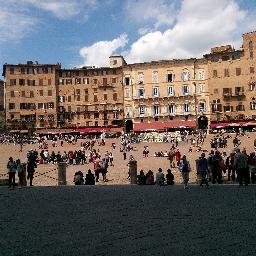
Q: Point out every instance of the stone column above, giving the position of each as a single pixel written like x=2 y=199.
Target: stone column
x=62 y=167
x=133 y=171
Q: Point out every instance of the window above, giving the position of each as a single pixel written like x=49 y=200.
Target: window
x=127 y=92
x=216 y=106
x=95 y=98
x=155 y=92
x=86 y=80
x=140 y=78
x=86 y=98
x=23 y=94
x=69 y=109
x=12 y=82
x=253 y=105
x=201 y=75
x=105 y=81
x=31 y=94
x=142 y=110
x=96 y=123
x=170 y=77
x=251 y=55
x=252 y=86
x=22 y=70
x=49 y=92
x=251 y=45
x=50 y=105
x=114 y=80
x=69 y=98
x=104 y=72
x=185 y=75
x=215 y=73
x=185 y=90
x=156 y=110
x=186 y=107
x=11 y=71
x=201 y=106
x=240 y=107
x=61 y=99
x=115 y=115
x=127 y=81
x=95 y=73
x=141 y=93
x=41 y=82
x=31 y=82
x=30 y=71
x=227 y=92
x=105 y=97
x=12 y=93
x=172 y=109
x=115 y=96
x=251 y=70
x=41 y=93
x=228 y=108
x=95 y=81
x=170 y=91
x=11 y=105
x=154 y=77
x=49 y=69
x=201 y=88
x=238 y=71
x=226 y=72
x=21 y=81
x=69 y=81
x=239 y=91
x=49 y=81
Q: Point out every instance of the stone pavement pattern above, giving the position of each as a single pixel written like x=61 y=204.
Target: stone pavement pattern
x=128 y=220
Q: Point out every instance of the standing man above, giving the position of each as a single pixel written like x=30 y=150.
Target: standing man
x=184 y=168
x=31 y=170
x=241 y=165
x=203 y=170
x=12 y=167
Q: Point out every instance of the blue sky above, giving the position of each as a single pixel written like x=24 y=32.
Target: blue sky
x=87 y=32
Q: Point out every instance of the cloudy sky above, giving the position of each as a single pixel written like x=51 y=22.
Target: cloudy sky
x=87 y=32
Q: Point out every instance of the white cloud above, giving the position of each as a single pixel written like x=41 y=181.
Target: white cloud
x=14 y=25
x=64 y=9
x=98 y=53
x=200 y=25
x=161 y=12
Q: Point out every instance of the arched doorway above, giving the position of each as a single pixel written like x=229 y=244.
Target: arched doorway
x=128 y=126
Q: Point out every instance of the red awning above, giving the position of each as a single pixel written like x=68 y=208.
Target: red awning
x=92 y=129
x=161 y=126
x=219 y=125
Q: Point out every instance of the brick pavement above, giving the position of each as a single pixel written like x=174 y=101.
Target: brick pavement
x=128 y=220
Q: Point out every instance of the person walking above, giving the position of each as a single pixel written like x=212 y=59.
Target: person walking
x=20 y=170
x=12 y=167
x=203 y=170
x=31 y=170
x=184 y=168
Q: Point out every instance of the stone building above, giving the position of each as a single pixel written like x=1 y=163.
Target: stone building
x=165 y=92
x=91 y=96
x=30 y=92
x=1 y=95
x=232 y=83
x=46 y=96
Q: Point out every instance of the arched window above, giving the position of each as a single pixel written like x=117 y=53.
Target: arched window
x=250 y=45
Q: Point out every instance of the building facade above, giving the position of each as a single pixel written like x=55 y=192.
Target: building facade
x=1 y=95
x=220 y=86
x=161 y=91
x=232 y=83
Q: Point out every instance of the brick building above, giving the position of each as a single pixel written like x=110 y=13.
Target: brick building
x=165 y=91
x=232 y=83
x=1 y=95
x=150 y=95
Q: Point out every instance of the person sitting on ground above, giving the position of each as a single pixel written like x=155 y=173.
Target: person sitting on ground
x=160 y=177
x=89 y=178
x=150 y=178
x=141 y=178
x=79 y=178
x=169 y=177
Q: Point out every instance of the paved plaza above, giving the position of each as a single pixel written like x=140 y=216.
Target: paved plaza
x=128 y=220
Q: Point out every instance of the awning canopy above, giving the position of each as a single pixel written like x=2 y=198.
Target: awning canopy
x=234 y=124
x=92 y=129
x=162 y=126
